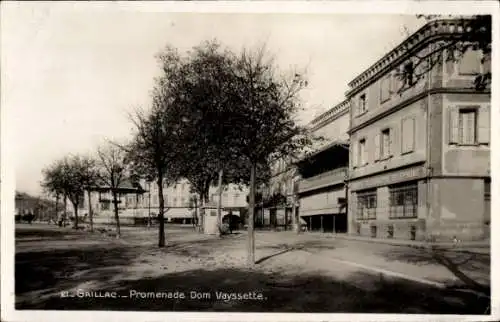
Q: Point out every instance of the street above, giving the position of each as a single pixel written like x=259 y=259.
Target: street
x=62 y=269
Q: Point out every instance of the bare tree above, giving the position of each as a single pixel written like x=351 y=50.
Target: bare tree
x=113 y=166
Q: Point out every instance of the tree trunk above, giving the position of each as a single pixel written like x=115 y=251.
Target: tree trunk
x=149 y=205
x=65 y=208
x=117 y=219
x=219 y=203
x=251 y=209
x=75 y=207
x=91 y=219
x=57 y=203
x=161 y=232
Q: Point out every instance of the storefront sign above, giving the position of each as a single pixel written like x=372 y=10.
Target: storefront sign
x=388 y=178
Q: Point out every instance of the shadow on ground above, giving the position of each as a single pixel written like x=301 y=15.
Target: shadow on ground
x=461 y=264
x=280 y=293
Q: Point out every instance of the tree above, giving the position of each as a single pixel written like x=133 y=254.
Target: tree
x=52 y=182
x=155 y=150
x=66 y=177
x=240 y=111
x=90 y=177
x=265 y=128
x=475 y=33
x=200 y=92
x=114 y=166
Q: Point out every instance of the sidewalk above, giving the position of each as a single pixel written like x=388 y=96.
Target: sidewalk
x=479 y=247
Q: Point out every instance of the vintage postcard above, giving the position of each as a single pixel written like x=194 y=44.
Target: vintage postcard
x=248 y=161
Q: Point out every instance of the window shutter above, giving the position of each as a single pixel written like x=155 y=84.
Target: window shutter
x=365 y=152
x=391 y=142
x=354 y=154
x=483 y=125
x=453 y=124
x=408 y=135
x=377 y=147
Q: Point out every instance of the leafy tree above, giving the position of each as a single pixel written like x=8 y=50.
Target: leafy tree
x=240 y=114
x=114 y=169
x=475 y=34
x=155 y=150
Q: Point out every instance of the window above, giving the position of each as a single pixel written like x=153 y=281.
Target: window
x=155 y=200
x=470 y=63
x=403 y=201
x=385 y=88
x=362 y=152
x=487 y=189
x=236 y=197
x=183 y=201
x=385 y=151
x=212 y=197
x=362 y=104
x=367 y=205
x=408 y=135
x=183 y=186
x=467 y=126
x=175 y=202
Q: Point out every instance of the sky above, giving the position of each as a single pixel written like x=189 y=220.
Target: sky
x=71 y=74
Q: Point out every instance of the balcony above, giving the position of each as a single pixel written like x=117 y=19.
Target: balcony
x=323 y=180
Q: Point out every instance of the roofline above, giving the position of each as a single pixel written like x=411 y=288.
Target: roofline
x=438 y=27
x=330 y=114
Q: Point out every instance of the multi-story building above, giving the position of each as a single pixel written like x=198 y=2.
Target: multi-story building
x=178 y=200
x=420 y=154
x=321 y=191
x=278 y=196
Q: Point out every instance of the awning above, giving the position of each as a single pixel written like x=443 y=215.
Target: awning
x=343 y=144
x=179 y=213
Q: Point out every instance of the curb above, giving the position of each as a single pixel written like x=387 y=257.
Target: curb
x=422 y=246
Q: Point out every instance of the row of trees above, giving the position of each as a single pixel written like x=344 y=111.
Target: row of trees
x=70 y=177
x=217 y=117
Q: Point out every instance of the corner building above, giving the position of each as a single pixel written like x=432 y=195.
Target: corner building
x=419 y=165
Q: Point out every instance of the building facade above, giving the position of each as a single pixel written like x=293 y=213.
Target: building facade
x=420 y=157
x=321 y=190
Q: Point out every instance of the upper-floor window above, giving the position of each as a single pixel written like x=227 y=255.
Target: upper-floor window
x=362 y=152
x=385 y=151
x=469 y=125
x=362 y=104
x=386 y=88
x=175 y=202
x=407 y=135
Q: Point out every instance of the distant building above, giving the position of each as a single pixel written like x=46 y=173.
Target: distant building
x=179 y=200
x=420 y=158
x=321 y=191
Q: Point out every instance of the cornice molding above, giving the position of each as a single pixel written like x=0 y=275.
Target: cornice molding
x=333 y=113
x=430 y=32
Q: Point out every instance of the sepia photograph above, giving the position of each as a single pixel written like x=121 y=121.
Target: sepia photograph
x=162 y=158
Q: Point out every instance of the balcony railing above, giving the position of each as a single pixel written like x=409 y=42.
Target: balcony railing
x=322 y=180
